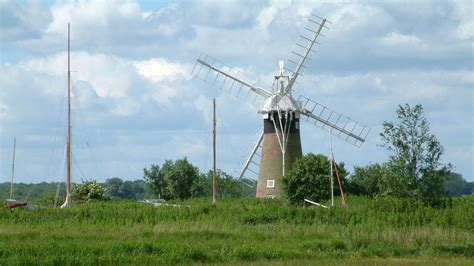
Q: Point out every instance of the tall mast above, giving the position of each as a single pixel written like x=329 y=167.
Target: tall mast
x=68 y=202
x=214 y=154
x=13 y=169
x=330 y=162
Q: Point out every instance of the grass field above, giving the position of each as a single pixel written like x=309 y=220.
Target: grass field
x=241 y=231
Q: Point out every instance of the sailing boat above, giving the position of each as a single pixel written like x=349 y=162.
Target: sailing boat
x=12 y=202
x=68 y=202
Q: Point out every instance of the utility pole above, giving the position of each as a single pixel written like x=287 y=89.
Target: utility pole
x=12 y=192
x=214 y=201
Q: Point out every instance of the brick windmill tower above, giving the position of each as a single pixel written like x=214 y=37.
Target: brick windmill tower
x=279 y=145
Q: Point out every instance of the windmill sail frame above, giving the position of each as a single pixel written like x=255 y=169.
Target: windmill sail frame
x=337 y=124
x=230 y=80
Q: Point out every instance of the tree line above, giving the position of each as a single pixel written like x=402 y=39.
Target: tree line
x=180 y=179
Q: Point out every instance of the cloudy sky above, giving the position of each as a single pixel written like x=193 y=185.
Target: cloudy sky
x=135 y=102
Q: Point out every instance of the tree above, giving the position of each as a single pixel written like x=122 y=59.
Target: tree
x=174 y=180
x=309 y=179
x=367 y=180
x=180 y=176
x=90 y=190
x=202 y=187
x=456 y=185
x=114 y=187
x=415 y=169
x=227 y=185
x=156 y=180
x=119 y=189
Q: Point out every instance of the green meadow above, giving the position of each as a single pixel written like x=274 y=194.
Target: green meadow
x=241 y=231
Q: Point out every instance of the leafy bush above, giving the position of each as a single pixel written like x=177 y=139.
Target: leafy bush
x=367 y=180
x=90 y=190
x=309 y=178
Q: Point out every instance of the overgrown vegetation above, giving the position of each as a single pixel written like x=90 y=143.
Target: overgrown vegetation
x=235 y=230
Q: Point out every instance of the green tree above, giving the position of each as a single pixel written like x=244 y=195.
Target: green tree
x=367 y=180
x=415 y=169
x=202 y=187
x=134 y=189
x=456 y=185
x=309 y=179
x=114 y=187
x=90 y=190
x=180 y=176
x=155 y=178
x=227 y=185
x=174 y=180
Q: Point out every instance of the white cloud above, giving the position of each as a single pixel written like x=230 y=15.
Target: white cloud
x=268 y=14
x=203 y=105
x=126 y=83
x=92 y=17
x=131 y=70
x=159 y=69
x=395 y=38
x=463 y=11
x=20 y=21
x=3 y=111
x=109 y=76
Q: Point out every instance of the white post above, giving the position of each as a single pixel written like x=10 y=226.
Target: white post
x=13 y=170
x=214 y=190
x=330 y=162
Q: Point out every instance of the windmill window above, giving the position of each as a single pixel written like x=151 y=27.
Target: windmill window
x=270 y=183
x=270 y=196
x=297 y=125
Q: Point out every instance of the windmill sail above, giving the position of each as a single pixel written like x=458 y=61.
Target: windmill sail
x=253 y=161
x=228 y=79
x=334 y=122
x=301 y=55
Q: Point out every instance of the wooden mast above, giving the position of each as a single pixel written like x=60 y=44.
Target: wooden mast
x=13 y=169
x=214 y=155
x=68 y=202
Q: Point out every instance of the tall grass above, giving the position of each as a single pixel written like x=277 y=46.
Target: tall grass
x=235 y=230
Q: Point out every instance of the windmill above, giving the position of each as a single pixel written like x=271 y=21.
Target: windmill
x=279 y=145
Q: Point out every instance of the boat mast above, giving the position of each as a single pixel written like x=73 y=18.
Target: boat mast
x=331 y=175
x=13 y=169
x=214 y=155
x=68 y=202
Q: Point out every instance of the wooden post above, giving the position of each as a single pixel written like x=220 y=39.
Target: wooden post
x=68 y=142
